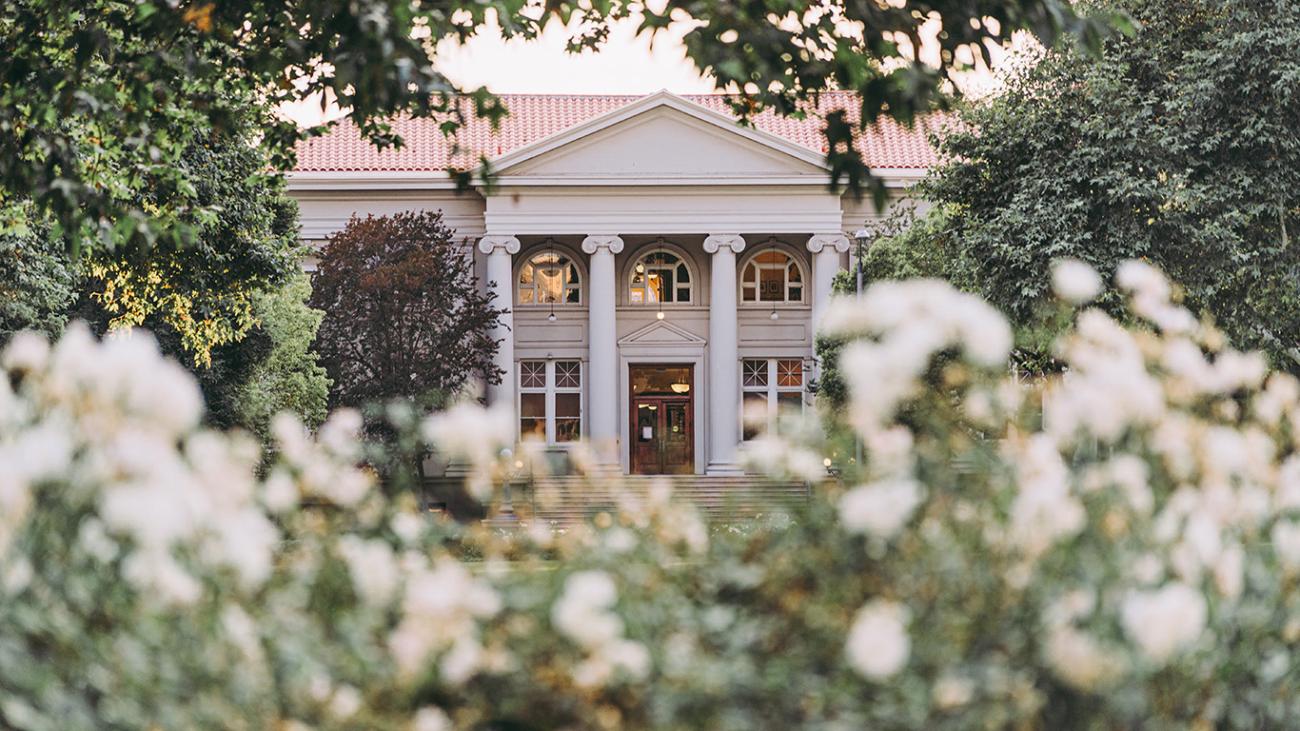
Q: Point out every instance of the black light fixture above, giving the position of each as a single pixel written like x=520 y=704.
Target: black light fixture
x=552 y=268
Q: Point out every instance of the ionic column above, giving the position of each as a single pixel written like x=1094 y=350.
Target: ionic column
x=500 y=276
x=724 y=366
x=826 y=250
x=602 y=370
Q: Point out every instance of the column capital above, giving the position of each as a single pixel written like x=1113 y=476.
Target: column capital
x=594 y=243
x=837 y=241
x=495 y=242
x=714 y=242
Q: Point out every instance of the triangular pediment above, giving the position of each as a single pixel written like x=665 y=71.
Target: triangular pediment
x=661 y=333
x=663 y=138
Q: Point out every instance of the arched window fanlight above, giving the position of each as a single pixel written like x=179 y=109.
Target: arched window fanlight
x=549 y=278
x=658 y=277
x=771 y=275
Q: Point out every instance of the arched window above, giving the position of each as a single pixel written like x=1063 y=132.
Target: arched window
x=549 y=278
x=660 y=276
x=771 y=275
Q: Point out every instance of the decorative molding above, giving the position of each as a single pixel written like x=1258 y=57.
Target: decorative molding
x=714 y=242
x=592 y=244
x=838 y=241
x=495 y=242
x=660 y=100
x=662 y=333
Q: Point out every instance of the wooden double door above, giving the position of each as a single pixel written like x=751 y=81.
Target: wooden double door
x=663 y=419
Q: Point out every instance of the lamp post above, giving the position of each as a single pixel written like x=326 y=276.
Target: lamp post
x=862 y=238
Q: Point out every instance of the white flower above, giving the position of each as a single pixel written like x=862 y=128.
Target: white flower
x=345 y=702
x=1164 y=621
x=880 y=509
x=26 y=351
x=1142 y=280
x=952 y=691
x=471 y=433
x=374 y=569
x=1286 y=544
x=1080 y=661
x=1074 y=281
x=878 y=645
x=431 y=718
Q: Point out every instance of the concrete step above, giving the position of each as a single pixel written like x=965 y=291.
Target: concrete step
x=572 y=499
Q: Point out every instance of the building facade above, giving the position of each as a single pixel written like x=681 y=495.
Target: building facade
x=664 y=266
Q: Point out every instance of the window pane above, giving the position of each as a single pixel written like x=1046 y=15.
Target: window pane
x=751 y=274
x=771 y=285
x=568 y=417
x=796 y=294
x=568 y=374
x=789 y=401
x=526 y=295
x=755 y=374
x=568 y=405
x=568 y=430
x=526 y=274
x=683 y=294
x=793 y=269
x=532 y=374
x=532 y=405
x=748 y=294
x=789 y=373
x=532 y=415
x=573 y=297
x=654 y=287
x=771 y=256
x=755 y=415
x=683 y=274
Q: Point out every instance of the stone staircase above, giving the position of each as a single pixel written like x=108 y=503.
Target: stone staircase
x=569 y=500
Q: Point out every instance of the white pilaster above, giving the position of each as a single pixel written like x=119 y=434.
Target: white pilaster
x=826 y=250
x=500 y=276
x=724 y=366
x=602 y=370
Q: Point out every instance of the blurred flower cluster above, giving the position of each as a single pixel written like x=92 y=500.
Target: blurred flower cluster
x=1115 y=548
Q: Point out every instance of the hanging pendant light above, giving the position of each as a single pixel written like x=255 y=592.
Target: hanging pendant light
x=553 y=269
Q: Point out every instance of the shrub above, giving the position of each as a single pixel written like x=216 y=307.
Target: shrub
x=1130 y=562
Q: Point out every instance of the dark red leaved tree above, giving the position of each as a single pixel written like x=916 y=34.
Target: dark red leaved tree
x=404 y=315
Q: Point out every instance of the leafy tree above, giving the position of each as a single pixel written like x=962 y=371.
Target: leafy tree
x=1179 y=146
x=246 y=244
x=289 y=377
x=98 y=98
x=404 y=317
x=37 y=284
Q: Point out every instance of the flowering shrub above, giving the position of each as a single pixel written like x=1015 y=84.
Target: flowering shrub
x=1118 y=548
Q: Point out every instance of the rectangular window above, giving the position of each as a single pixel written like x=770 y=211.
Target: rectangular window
x=550 y=400
x=769 y=386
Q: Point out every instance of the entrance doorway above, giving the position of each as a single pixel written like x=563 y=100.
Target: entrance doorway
x=663 y=419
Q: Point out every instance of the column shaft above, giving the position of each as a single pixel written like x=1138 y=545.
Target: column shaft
x=724 y=366
x=500 y=275
x=603 y=370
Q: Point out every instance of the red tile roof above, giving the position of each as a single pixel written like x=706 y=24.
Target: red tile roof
x=885 y=145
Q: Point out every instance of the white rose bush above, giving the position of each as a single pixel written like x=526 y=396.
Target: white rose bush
x=1117 y=547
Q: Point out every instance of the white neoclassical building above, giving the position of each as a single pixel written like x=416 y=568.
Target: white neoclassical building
x=664 y=266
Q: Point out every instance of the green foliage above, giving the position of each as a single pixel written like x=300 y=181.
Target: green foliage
x=204 y=292
x=1178 y=147
x=99 y=98
x=289 y=378
x=38 y=285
